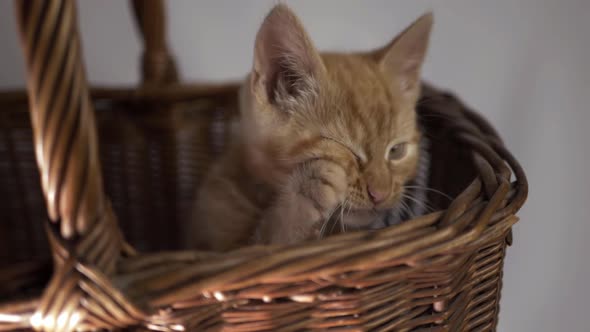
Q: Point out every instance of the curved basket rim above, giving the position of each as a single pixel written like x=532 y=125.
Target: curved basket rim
x=497 y=220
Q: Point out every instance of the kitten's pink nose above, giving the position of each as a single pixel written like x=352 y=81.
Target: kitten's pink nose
x=377 y=196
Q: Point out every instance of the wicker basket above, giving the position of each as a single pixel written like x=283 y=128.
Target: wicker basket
x=67 y=267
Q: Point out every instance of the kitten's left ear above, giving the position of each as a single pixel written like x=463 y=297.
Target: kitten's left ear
x=402 y=58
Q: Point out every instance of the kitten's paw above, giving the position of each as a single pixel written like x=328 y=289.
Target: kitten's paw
x=323 y=185
x=313 y=193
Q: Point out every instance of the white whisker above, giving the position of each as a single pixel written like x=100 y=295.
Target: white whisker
x=406 y=209
x=430 y=189
x=342 y=227
x=325 y=224
x=417 y=201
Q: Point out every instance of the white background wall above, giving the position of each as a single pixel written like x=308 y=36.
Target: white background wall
x=523 y=63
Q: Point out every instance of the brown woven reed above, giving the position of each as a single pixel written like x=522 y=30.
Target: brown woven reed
x=439 y=272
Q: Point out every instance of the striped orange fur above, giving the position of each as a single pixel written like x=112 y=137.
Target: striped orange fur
x=319 y=134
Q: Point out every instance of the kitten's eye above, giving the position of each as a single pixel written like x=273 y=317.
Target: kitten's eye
x=398 y=151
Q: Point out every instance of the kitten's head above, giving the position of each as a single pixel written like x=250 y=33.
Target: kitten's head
x=356 y=109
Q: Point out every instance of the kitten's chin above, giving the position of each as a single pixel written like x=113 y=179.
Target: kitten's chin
x=362 y=218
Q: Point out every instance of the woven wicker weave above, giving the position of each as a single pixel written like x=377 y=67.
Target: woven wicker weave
x=114 y=216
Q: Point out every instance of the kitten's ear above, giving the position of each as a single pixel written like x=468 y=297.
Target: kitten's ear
x=286 y=64
x=402 y=58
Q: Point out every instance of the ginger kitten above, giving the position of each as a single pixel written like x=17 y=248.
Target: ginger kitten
x=320 y=135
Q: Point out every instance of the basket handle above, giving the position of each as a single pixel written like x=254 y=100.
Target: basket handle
x=158 y=65
x=83 y=230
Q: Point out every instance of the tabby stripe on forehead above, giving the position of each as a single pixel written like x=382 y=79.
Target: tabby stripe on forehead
x=367 y=120
x=386 y=122
x=390 y=102
x=391 y=113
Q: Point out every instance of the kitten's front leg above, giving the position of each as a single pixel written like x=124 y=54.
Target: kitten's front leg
x=312 y=193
